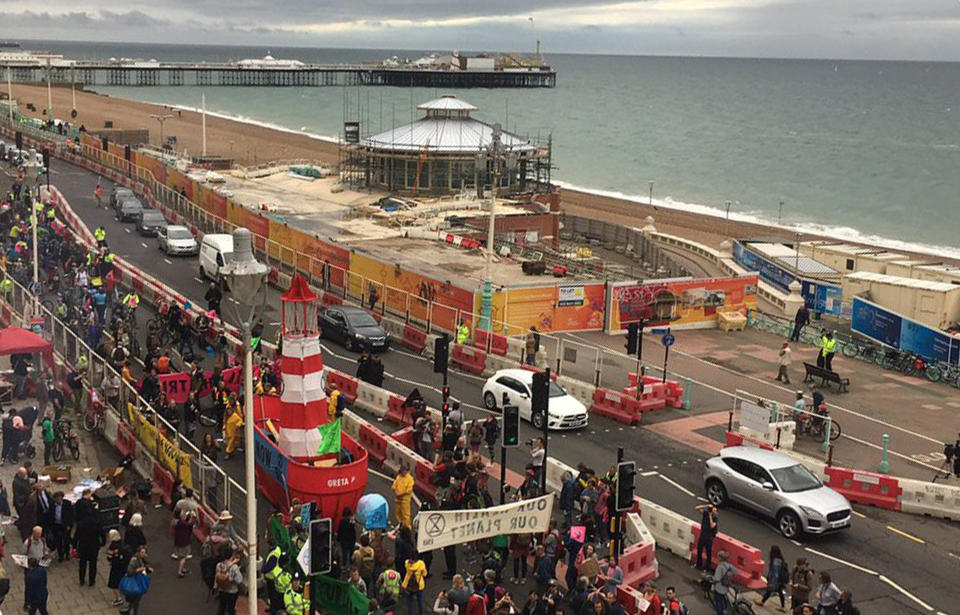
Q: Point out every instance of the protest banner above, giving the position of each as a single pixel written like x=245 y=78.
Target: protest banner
x=440 y=528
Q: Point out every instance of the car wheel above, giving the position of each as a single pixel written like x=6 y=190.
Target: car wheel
x=789 y=524
x=538 y=420
x=489 y=401
x=350 y=345
x=716 y=493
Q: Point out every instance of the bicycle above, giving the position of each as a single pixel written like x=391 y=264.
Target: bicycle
x=93 y=416
x=65 y=437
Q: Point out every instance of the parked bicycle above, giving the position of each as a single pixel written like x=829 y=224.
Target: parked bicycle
x=65 y=438
x=93 y=416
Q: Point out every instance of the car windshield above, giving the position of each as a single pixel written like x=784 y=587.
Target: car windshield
x=152 y=216
x=556 y=390
x=362 y=319
x=132 y=205
x=795 y=478
x=179 y=233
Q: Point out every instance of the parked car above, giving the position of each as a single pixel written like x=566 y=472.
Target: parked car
x=149 y=222
x=564 y=411
x=128 y=208
x=353 y=327
x=176 y=240
x=776 y=486
x=118 y=193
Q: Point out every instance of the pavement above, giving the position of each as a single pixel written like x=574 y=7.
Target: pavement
x=889 y=560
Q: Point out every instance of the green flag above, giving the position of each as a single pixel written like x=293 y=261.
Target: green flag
x=329 y=438
x=336 y=597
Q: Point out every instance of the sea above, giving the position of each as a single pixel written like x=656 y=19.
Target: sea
x=859 y=150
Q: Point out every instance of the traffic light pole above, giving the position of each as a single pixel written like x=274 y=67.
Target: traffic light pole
x=503 y=472
x=666 y=355
x=546 y=440
x=639 y=359
x=618 y=519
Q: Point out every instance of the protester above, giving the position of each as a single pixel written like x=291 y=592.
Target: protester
x=139 y=565
x=709 y=527
x=35 y=587
x=118 y=559
x=828 y=595
x=228 y=579
x=777 y=577
x=403 y=493
x=87 y=541
x=722 y=581
x=413 y=584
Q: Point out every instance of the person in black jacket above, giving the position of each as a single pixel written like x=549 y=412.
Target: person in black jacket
x=60 y=522
x=346 y=536
x=87 y=541
x=84 y=506
x=35 y=588
x=213 y=297
x=800 y=320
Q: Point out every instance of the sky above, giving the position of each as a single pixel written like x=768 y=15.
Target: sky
x=855 y=29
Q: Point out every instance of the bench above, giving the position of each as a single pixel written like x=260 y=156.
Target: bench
x=825 y=376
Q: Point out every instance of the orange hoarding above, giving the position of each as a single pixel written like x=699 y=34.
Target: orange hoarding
x=561 y=307
x=679 y=303
x=389 y=281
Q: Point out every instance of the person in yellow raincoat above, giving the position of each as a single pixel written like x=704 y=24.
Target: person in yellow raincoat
x=232 y=428
x=333 y=401
x=403 y=493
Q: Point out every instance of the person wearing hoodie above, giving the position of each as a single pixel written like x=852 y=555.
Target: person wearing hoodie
x=722 y=581
x=413 y=584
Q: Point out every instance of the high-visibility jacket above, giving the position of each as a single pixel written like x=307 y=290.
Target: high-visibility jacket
x=463 y=332
x=829 y=346
x=99 y=234
x=283 y=581
x=51 y=213
x=131 y=300
x=294 y=603
x=108 y=257
x=332 y=404
x=271 y=571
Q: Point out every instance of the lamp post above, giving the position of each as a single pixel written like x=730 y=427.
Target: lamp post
x=650 y=185
x=49 y=93
x=780 y=213
x=246 y=277
x=726 y=226
x=161 y=119
x=495 y=153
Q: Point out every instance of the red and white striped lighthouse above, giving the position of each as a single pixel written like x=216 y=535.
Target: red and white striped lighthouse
x=303 y=404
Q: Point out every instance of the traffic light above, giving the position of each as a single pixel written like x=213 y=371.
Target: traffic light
x=446 y=393
x=46 y=159
x=633 y=338
x=626 y=472
x=540 y=399
x=511 y=426
x=321 y=545
x=441 y=354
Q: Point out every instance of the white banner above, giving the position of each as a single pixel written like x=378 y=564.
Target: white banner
x=755 y=417
x=440 y=528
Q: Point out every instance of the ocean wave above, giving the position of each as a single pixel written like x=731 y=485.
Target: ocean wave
x=840 y=233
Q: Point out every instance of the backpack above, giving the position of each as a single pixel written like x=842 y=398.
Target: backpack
x=222 y=578
x=784 y=576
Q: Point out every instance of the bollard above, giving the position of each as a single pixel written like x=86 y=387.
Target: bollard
x=686 y=394
x=884 y=461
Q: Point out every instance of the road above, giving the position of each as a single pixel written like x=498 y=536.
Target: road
x=890 y=561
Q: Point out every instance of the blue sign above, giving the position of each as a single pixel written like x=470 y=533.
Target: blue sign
x=902 y=333
x=769 y=272
x=820 y=296
x=667 y=339
x=270 y=458
x=660 y=331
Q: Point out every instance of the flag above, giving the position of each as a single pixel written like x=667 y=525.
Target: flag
x=329 y=438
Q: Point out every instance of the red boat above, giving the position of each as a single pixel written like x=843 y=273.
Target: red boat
x=285 y=425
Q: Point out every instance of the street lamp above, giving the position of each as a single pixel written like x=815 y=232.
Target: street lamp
x=726 y=225
x=161 y=119
x=246 y=276
x=780 y=213
x=650 y=184
x=496 y=154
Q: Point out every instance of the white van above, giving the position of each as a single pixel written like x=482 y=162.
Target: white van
x=215 y=250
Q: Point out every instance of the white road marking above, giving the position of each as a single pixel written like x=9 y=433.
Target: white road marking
x=142 y=243
x=859 y=514
x=906 y=535
x=168 y=261
x=198 y=280
x=679 y=486
x=650 y=473
x=905 y=593
x=841 y=561
x=127 y=230
x=796 y=543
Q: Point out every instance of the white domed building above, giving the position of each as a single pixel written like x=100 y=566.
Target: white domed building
x=446 y=151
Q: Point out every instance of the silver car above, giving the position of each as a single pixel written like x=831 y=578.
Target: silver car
x=776 y=486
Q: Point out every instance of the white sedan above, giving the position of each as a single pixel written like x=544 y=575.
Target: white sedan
x=565 y=411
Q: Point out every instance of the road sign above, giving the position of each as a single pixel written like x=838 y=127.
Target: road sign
x=668 y=339
x=660 y=330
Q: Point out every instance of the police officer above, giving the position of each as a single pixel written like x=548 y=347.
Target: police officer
x=463 y=333
x=101 y=236
x=271 y=568
x=293 y=601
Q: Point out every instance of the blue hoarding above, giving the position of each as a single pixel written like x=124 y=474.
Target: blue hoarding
x=902 y=333
x=269 y=457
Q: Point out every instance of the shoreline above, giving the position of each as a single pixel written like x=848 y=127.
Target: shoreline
x=249 y=142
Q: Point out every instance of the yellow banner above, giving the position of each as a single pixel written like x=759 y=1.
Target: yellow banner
x=167 y=452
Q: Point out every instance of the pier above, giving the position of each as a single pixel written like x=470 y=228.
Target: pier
x=148 y=74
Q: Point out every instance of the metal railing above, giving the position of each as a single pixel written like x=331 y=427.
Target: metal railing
x=213 y=486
